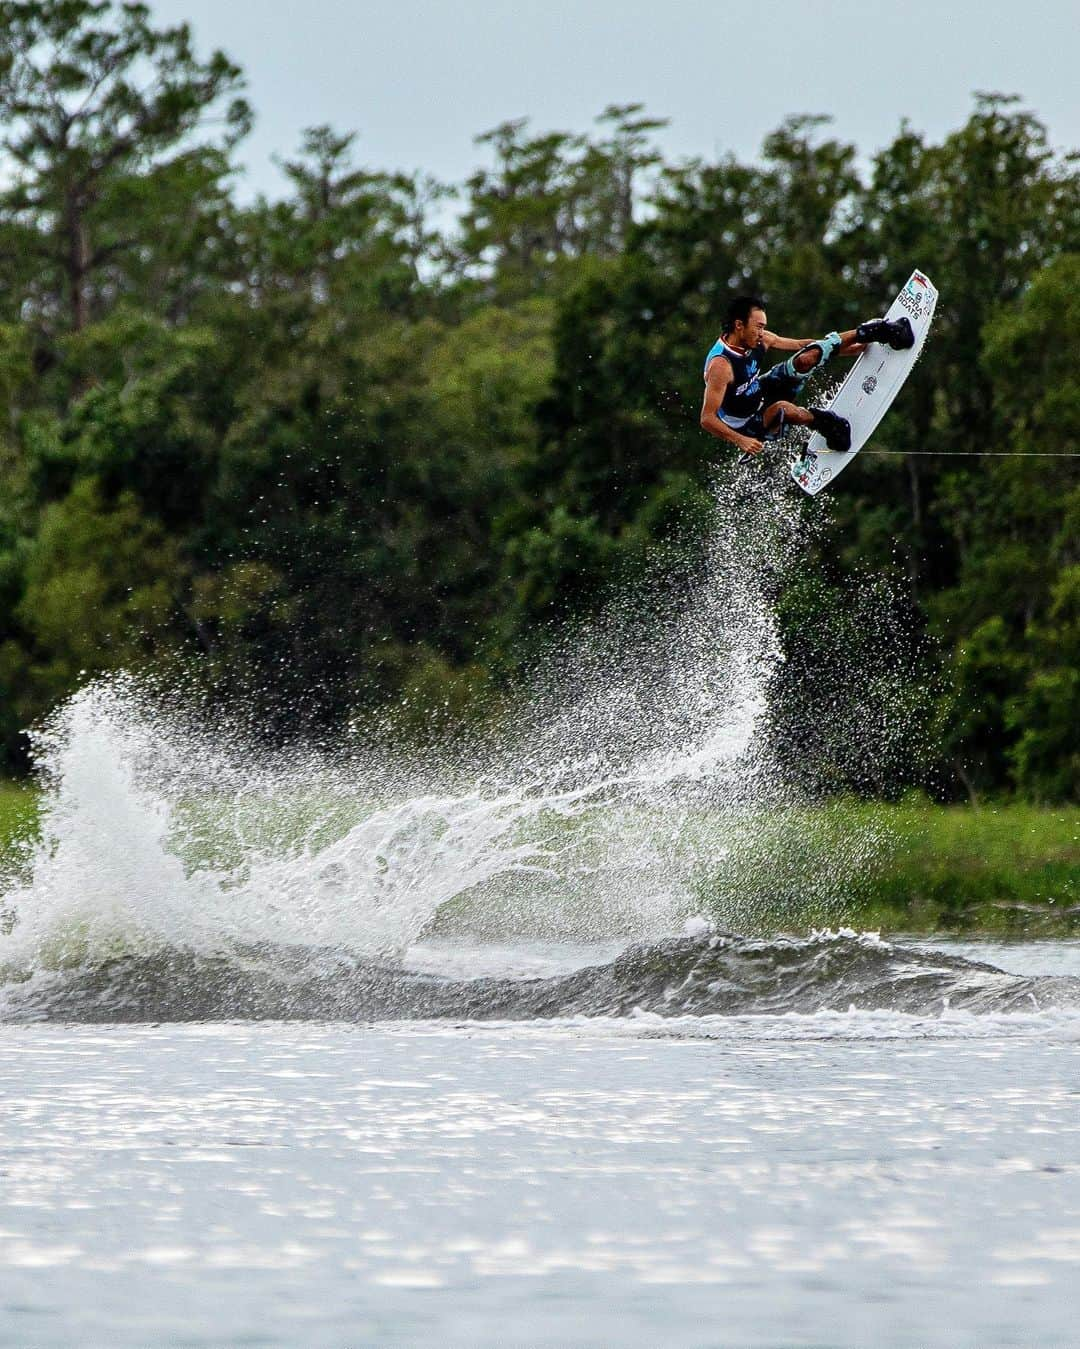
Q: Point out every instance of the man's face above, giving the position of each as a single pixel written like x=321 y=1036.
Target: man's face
x=750 y=333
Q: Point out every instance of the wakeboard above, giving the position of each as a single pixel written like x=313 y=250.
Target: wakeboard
x=870 y=387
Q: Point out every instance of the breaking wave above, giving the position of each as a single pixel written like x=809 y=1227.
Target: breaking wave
x=706 y=975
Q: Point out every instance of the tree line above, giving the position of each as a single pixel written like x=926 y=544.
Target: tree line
x=336 y=453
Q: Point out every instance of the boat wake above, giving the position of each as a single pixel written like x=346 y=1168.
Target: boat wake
x=706 y=975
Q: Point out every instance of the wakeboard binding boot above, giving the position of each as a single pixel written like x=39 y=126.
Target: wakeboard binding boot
x=898 y=333
x=836 y=430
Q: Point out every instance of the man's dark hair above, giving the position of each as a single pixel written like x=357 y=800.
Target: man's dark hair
x=739 y=310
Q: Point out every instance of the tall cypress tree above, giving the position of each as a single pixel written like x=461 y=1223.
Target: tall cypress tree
x=101 y=115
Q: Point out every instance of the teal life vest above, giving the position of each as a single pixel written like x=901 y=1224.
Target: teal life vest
x=743 y=396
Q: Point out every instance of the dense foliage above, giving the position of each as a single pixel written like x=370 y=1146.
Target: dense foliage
x=341 y=455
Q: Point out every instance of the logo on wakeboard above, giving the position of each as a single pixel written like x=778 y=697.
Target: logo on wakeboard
x=914 y=293
x=803 y=469
x=869 y=384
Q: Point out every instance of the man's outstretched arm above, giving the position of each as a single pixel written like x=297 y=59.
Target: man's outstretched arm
x=849 y=344
x=774 y=342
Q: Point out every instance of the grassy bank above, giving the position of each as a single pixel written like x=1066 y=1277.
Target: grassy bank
x=18 y=817
x=1004 y=870
x=1008 y=869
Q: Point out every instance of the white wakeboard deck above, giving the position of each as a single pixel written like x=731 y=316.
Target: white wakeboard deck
x=871 y=385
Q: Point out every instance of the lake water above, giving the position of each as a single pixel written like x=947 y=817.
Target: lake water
x=833 y=1178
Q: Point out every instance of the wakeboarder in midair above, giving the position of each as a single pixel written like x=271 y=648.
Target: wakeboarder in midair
x=747 y=408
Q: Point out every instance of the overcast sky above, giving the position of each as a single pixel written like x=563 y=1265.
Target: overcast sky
x=418 y=79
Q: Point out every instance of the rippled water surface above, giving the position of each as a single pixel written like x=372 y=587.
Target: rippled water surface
x=825 y=1180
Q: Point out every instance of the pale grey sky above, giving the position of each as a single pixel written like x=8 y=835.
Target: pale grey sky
x=418 y=79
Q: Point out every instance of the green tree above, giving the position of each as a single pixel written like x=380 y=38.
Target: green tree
x=551 y=200
x=112 y=188
x=1045 y=716
x=99 y=592
x=345 y=239
x=1029 y=353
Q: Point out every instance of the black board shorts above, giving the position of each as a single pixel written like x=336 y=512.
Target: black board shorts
x=755 y=427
